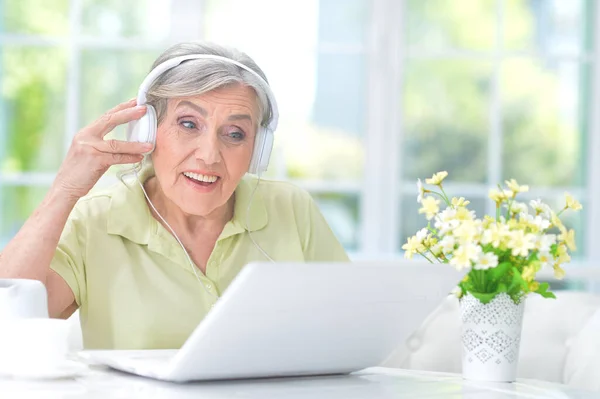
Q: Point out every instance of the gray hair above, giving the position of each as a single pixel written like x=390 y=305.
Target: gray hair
x=198 y=76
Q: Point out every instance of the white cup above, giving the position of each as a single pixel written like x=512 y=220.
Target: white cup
x=22 y=298
x=30 y=346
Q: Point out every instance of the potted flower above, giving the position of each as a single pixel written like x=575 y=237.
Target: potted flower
x=502 y=255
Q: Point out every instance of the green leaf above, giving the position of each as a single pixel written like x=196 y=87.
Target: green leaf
x=543 y=291
x=499 y=271
x=517 y=281
x=502 y=288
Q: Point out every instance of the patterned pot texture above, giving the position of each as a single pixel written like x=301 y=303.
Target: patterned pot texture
x=491 y=336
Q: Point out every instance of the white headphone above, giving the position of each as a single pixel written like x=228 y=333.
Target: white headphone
x=143 y=130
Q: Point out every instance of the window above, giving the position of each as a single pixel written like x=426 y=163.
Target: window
x=373 y=95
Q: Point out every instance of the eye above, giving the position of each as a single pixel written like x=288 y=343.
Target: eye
x=188 y=124
x=237 y=135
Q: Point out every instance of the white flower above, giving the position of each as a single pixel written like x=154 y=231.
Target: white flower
x=495 y=234
x=545 y=258
x=544 y=242
x=422 y=234
x=539 y=222
x=486 y=261
x=430 y=207
x=463 y=256
x=447 y=244
x=421 y=191
x=456 y=291
x=521 y=243
x=446 y=228
x=446 y=221
x=469 y=231
x=540 y=208
x=518 y=208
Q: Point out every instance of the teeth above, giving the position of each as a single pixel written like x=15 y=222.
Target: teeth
x=199 y=177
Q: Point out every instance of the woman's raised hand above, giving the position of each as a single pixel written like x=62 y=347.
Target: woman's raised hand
x=90 y=156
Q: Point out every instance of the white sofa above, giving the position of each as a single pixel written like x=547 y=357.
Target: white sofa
x=560 y=341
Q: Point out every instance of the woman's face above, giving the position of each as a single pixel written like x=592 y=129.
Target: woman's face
x=203 y=147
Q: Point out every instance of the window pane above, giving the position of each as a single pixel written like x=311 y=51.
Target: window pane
x=292 y=31
x=341 y=213
x=543 y=119
x=146 y=19
x=321 y=130
x=16 y=204
x=343 y=21
x=437 y=25
x=121 y=73
x=320 y=95
x=562 y=26
x=32 y=108
x=446 y=116
x=34 y=17
x=412 y=221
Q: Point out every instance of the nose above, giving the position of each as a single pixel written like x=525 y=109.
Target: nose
x=208 y=149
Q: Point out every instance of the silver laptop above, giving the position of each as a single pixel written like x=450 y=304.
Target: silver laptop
x=292 y=319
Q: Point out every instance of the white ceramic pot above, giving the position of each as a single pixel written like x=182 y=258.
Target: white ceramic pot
x=491 y=336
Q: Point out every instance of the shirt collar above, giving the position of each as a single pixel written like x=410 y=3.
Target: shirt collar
x=130 y=217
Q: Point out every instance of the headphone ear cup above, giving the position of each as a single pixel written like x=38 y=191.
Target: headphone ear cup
x=263 y=146
x=143 y=130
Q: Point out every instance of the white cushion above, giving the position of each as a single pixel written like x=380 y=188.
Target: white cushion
x=582 y=366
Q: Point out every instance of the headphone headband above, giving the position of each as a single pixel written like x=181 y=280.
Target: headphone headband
x=175 y=61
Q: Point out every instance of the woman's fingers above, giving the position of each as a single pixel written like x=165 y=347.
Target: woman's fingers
x=107 y=122
x=123 y=158
x=122 y=147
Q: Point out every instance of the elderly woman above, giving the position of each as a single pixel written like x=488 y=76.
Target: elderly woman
x=145 y=262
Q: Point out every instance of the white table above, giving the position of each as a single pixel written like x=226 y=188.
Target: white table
x=371 y=383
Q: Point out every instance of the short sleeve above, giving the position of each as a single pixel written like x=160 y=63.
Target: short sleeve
x=320 y=243
x=68 y=259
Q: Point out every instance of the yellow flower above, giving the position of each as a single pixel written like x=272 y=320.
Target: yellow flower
x=559 y=272
x=572 y=203
x=430 y=241
x=515 y=188
x=467 y=231
x=521 y=243
x=562 y=256
x=413 y=246
x=463 y=256
x=495 y=234
x=437 y=178
x=569 y=239
x=528 y=273
x=498 y=196
x=430 y=207
x=463 y=213
x=459 y=202
x=533 y=286
x=556 y=222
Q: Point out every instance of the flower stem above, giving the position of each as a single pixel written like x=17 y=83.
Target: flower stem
x=425 y=256
x=445 y=195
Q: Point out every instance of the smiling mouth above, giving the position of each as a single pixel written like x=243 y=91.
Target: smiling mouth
x=202 y=180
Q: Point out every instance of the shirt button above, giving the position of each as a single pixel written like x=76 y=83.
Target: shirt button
x=208 y=286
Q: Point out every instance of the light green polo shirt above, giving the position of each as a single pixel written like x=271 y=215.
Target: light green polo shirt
x=133 y=282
